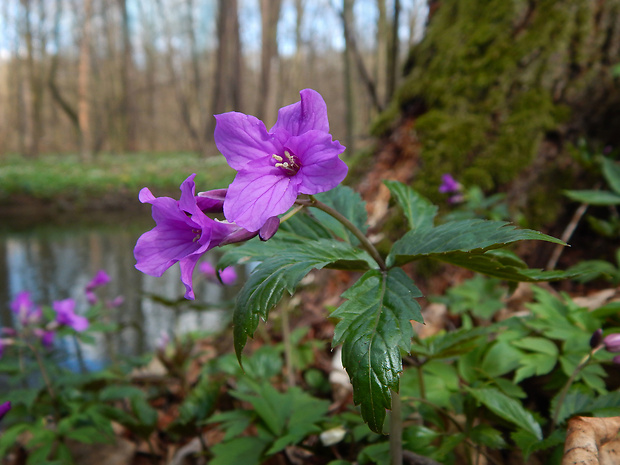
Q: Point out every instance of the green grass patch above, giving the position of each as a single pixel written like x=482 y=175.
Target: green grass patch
x=64 y=175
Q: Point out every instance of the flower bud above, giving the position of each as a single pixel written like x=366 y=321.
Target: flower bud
x=270 y=227
x=596 y=338
x=612 y=342
x=211 y=201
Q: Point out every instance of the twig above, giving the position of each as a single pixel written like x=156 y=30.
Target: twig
x=566 y=235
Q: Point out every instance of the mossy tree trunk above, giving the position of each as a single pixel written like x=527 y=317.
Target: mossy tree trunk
x=499 y=88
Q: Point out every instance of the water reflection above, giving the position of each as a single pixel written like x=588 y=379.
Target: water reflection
x=57 y=263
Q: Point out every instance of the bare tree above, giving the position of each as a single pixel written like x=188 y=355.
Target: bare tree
x=270 y=14
x=349 y=79
x=84 y=85
x=127 y=113
x=228 y=65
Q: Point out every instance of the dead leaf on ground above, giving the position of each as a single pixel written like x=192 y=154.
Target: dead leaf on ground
x=592 y=441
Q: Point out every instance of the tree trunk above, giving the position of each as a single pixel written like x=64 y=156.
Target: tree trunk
x=228 y=66
x=127 y=113
x=349 y=78
x=84 y=77
x=381 y=63
x=393 y=54
x=270 y=14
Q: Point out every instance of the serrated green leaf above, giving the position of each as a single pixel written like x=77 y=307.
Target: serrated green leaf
x=302 y=226
x=594 y=197
x=577 y=400
x=375 y=325
x=487 y=436
x=449 y=241
x=611 y=171
x=264 y=288
x=507 y=408
x=529 y=443
x=349 y=204
x=418 y=210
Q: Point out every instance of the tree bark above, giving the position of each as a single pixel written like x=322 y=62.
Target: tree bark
x=84 y=78
x=228 y=66
x=270 y=14
x=127 y=113
x=349 y=79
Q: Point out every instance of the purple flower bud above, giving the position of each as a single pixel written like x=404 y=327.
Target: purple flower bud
x=612 y=342
x=116 y=302
x=211 y=201
x=596 y=338
x=4 y=409
x=616 y=360
x=270 y=227
x=100 y=279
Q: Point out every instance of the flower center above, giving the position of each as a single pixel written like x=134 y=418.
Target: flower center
x=289 y=163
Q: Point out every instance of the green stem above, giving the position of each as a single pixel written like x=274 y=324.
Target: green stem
x=582 y=364
x=366 y=244
x=396 y=431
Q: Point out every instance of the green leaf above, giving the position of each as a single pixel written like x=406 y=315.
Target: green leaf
x=611 y=171
x=264 y=288
x=594 y=197
x=449 y=242
x=487 y=436
x=348 y=203
x=244 y=450
x=576 y=401
x=375 y=326
x=530 y=443
x=507 y=408
x=418 y=210
x=302 y=226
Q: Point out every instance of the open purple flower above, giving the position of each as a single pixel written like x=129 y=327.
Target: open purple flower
x=26 y=310
x=183 y=233
x=297 y=156
x=66 y=316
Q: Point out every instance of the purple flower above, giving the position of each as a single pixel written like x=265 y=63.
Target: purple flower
x=596 y=338
x=228 y=275
x=612 y=342
x=4 y=409
x=25 y=309
x=449 y=184
x=183 y=233
x=100 y=279
x=65 y=315
x=297 y=156
x=45 y=336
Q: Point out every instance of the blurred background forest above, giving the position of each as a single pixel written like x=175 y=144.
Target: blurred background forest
x=147 y=75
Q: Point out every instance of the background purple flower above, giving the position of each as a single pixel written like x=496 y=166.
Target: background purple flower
x=449 y=184
x=4 y=409
x=183 y=233
x=65 y=315
x=100 y=279
x=297 y=156
x=27 y=312
x=228 y=275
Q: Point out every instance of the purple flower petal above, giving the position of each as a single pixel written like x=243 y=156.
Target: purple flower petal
x=187 y=265
x=100 y=279
x=307 y=115
x=65 y=315
x=258 y=193
x=4 y=409
x=243 y=138
x=321 y=169
x=228 y=276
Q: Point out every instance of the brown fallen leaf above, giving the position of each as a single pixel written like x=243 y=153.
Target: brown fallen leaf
x=592 y=441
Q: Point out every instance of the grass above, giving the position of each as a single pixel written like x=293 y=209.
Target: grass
x=65 y=176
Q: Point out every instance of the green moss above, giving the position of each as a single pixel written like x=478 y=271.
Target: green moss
x=493 y=75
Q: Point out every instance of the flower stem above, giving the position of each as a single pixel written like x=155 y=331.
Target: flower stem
x=366 y=244
x=396 y=431
x=582 y=364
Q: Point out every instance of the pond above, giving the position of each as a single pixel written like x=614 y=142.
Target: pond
x=55 y=261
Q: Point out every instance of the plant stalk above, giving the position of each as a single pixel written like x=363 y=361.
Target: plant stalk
x=396 y=431
x=366 y=244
